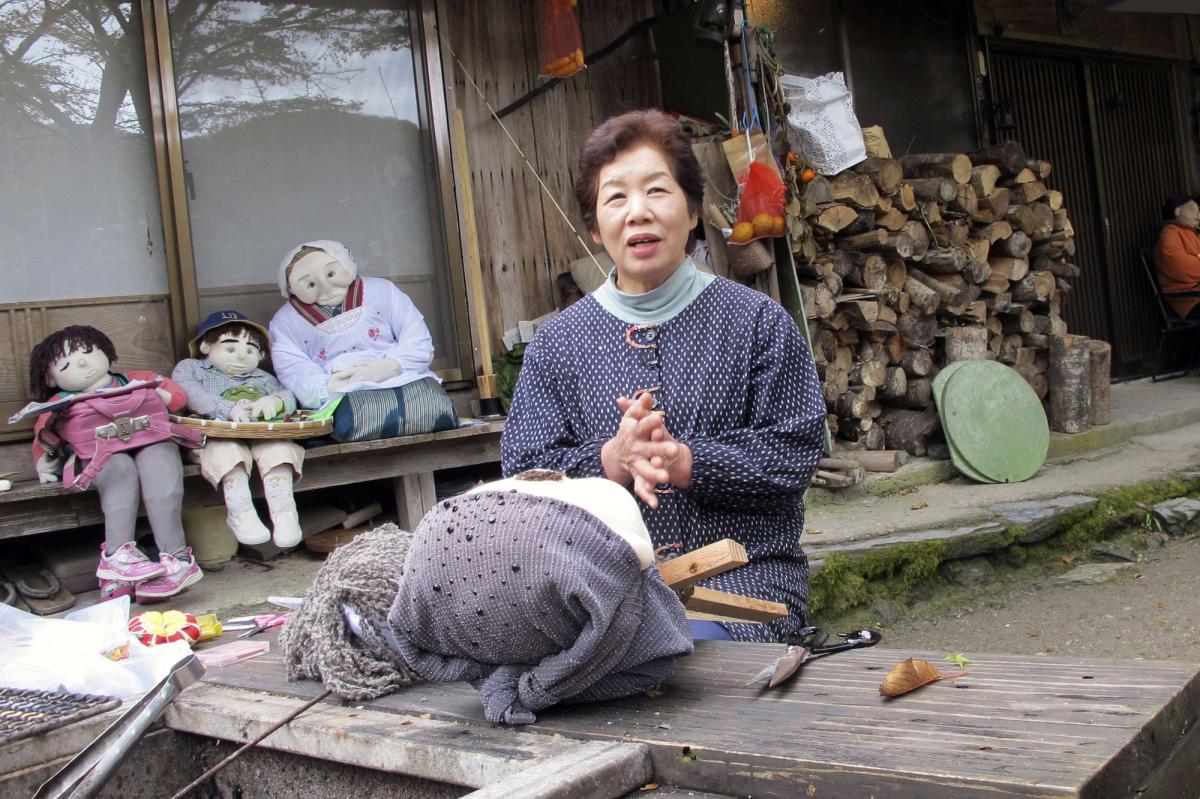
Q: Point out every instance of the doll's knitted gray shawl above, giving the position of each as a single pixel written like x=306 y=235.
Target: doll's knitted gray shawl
x=317 y=641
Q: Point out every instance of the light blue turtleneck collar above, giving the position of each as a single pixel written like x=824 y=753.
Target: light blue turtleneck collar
x=657 y=305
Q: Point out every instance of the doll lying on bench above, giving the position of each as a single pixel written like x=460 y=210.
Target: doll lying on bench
x=544 y=590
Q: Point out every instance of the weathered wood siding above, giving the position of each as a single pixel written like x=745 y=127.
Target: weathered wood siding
x=1161 y=35
x=524 y=243
x=140 y=329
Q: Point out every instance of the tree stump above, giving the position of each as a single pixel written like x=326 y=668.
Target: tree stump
x=1069 y=380
x=1101 y=367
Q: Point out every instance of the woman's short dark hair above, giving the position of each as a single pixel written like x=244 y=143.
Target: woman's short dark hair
x=53 y=346
x=620 y=133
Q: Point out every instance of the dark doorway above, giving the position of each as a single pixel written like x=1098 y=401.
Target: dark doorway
x=1109 y=127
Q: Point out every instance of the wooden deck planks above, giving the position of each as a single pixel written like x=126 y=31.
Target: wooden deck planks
x=1014 y=727
x=45 y=508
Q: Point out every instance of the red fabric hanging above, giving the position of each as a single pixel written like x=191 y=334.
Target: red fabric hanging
x=560 y=44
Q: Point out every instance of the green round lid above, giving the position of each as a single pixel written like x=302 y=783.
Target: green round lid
x=995 y=421
x=939 y=385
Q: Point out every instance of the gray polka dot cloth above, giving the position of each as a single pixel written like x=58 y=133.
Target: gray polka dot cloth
x=539 y=600
x=738 y=384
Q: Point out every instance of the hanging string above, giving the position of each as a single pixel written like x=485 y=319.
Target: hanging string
x=750 y=115
x=529 y=166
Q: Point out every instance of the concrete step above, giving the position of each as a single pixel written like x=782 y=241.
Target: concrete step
x=1154 y=436
x=1138 y=408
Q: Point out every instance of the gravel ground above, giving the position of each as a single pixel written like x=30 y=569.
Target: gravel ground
x=1151 y=612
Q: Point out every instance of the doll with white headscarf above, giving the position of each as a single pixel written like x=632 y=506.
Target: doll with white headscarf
x=342 y=334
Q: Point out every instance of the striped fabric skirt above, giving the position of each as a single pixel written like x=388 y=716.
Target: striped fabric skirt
x=422 y=406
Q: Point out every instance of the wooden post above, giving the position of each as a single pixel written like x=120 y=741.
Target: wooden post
x=486 y=380
x=415 y=494
x=1100 y=366
x=1069 y=381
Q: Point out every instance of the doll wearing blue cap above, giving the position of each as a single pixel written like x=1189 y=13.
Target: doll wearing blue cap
x=223 y=380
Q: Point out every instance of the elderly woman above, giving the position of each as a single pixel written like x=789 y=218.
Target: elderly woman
x=697 y=393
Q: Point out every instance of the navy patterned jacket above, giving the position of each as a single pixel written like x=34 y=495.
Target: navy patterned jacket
x=739 y=387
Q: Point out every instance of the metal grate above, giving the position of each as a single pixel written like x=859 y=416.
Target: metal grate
x=1049 y=102
x=1110 y=128
x=24 y=713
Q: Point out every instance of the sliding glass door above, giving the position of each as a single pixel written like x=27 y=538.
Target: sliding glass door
x=303 y=121
x=80 y=218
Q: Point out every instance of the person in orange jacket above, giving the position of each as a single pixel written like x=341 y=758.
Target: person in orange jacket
x=1177 y=254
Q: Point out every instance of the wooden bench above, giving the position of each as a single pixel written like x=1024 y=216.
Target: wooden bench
x=1013 y=727
x=408 y=461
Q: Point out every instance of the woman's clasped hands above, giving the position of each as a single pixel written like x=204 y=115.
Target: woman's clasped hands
x=643 y=452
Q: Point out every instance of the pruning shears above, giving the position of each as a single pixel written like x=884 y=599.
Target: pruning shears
x=263 y=622
x=807 y=645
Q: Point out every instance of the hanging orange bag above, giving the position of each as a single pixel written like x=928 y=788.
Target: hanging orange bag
x=761 y=200
x=560 y=44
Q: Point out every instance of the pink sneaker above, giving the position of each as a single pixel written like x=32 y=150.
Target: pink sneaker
x=179 y=574
x=114 y=589
x=127 y=564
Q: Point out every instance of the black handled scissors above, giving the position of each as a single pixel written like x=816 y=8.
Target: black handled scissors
x=807 y=645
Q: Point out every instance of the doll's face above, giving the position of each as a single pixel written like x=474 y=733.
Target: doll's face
x=81 y=369
x=234 y=353
x=319 y=278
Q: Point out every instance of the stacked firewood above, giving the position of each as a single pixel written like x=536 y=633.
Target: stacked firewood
x=924 y=260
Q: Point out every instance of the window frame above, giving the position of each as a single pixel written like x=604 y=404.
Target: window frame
x=439 y=180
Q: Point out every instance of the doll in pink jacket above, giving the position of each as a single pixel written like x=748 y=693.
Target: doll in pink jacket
x=77 y=360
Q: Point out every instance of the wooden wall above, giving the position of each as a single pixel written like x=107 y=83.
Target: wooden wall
x=1160 y=35
x=140 y=329
x=524 y=243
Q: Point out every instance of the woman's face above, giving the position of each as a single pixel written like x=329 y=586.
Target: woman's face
x=81 y=369
x=319 y=278
x=642 y=218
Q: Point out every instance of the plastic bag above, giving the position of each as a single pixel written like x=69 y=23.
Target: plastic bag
x=821 y=122
x=560 y=44
x=88 y=652
x=761 y=199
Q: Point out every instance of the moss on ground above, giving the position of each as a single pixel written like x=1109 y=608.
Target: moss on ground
x=846 y=581
x=847 y=584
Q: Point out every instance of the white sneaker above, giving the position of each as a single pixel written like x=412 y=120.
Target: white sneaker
x=287 y=529
x=247 y=527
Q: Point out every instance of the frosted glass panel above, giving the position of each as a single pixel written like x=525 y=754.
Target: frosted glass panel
x=299 y=123
x=79 y=212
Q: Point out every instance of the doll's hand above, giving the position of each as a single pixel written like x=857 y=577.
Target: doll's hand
x=368 y=371
x=266 y=408
x=339 y=380
x=376 y=371
x=164 y=395
x=47 y=469
x=242 y=411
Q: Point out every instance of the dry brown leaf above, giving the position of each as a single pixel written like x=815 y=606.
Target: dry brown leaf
x=920 y=506
x=1067 y=559
x=908 y=676
x=650 y=786
x=1162 y=605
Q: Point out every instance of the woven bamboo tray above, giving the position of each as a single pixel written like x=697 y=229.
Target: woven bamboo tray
x=304 y=428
